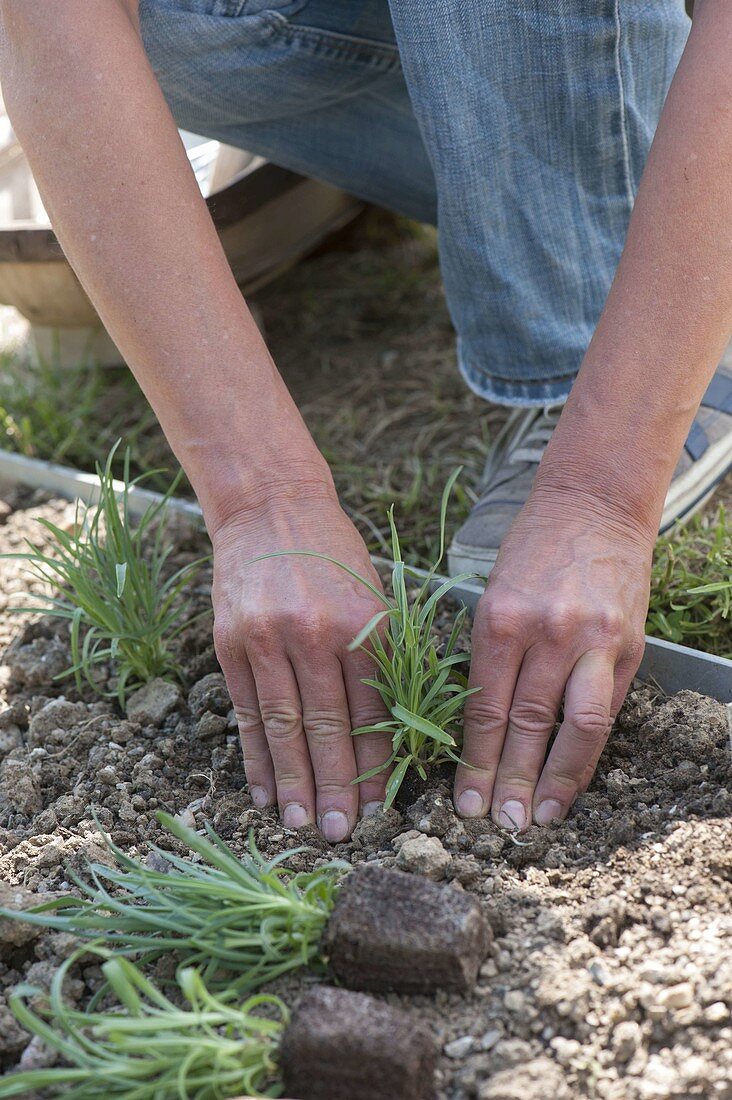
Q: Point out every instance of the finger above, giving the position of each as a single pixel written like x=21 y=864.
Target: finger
x=257 y=760
x=584 y=730
x=281 y=711
x=372 y=749
x=327 y=725
x=531 y=720
x=625 y=670
x=497 y=655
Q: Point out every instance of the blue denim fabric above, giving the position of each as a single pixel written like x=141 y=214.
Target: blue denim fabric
x=520 y=127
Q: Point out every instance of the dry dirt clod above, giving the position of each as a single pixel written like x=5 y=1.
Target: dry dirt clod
x=347 y=1045
x=395 y=931
x=424 y=855
x=152 y=704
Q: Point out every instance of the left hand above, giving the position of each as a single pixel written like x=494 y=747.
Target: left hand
x=561 y=620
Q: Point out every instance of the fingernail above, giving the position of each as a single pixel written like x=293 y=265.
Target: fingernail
x=334 y=826
x=512 y=815
x=371 y=809
x=259 y=797
x=294 y=816
x=549 y=811
x=470 y=803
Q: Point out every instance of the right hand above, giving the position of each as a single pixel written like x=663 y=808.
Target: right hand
x=282 y=630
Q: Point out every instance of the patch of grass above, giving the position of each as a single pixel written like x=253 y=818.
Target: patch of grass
x=423 y=690
x=244 y=922
x=150 y=1047
x=69 y=414
x=691 y=591
x=111 y=584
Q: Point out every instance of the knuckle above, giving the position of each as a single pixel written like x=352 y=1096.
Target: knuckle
x=323 y=725
x=227 y=642
x=500 y=618
x=532 y=718
x=562 y=621
x=610 y=621
x=486 y=715
x=590 y=721
x=281 y=722
x=248 y=719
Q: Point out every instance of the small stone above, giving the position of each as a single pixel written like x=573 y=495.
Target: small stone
x=424 y=855
x=677 y=996
x=534 y=1080
x=210 y=694
x=459 y=1048
x=210 y=725
x=717 y=1013
x=626 y=1039
x=515 y=1001
x=565 y=1049
x=490 y=1038
x=5 y=511
x=151 y=704
x=187 y=818
x=16 y=933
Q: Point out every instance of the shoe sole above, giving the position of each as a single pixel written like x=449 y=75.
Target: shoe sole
x=681 y=504
x=683 y=499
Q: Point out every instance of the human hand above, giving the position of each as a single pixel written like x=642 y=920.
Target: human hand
x=282 y=630
x=561 y=620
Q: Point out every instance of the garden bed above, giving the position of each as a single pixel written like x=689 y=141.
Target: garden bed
x=610 y=969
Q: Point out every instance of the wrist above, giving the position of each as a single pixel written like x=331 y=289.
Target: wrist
x=248 y=489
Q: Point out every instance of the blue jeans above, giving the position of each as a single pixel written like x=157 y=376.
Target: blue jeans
x=519 y=127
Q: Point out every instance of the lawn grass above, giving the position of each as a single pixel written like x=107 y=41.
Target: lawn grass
x=362 y=337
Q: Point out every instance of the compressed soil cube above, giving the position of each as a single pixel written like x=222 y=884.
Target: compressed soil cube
x=394 y=931
x=347 y=1046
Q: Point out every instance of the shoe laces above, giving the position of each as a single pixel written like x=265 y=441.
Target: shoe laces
x=523 y=438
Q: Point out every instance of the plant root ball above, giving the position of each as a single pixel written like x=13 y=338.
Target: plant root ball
x=394 y=931
x=348 y=1045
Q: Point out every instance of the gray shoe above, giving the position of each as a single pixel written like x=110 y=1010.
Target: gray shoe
x=520 y=445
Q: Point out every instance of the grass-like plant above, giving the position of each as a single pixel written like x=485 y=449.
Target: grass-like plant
x=243 y=922
x=150 y=1047
x=691 y=592
x=109 y=577
x=417 y=678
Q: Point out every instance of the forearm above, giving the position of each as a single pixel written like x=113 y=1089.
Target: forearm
x=669 y=314
x=125 y=205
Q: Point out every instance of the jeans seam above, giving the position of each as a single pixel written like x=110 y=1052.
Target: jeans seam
x=618 y=58
x=379 y=55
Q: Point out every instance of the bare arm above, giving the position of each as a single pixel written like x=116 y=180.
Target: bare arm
x=563 y=614
x=121 y=196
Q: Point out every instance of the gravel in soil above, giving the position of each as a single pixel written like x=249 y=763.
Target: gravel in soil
x=609 y=973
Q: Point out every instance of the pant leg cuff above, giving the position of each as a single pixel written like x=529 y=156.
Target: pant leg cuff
x=513 y=392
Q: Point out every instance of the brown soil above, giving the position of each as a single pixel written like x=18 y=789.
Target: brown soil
x=610 y=970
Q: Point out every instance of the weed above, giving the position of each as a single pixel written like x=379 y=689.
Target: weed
x=423 y=690
x=150 y=1047
x=111 y=586
x=245 y=922
x=691 y=594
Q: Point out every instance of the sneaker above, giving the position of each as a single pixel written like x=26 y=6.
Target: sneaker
x=520 y=445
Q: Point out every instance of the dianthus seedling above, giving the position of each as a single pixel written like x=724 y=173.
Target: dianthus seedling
x=150 y=1047
x=418 y=680
x=110 y=585
x=244 y=921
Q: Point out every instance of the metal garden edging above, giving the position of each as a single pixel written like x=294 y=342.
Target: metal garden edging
x=672 y=667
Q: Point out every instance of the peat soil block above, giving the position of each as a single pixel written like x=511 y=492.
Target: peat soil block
x=345 y=1044
x=391 y=930
x=609 y=972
